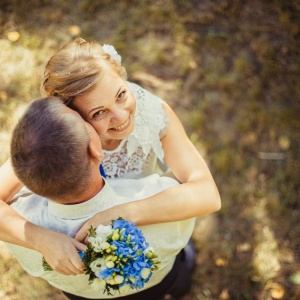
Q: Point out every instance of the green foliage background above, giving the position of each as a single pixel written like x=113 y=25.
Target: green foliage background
x=230 y=69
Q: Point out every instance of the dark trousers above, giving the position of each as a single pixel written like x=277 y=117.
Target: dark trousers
x=176 y=283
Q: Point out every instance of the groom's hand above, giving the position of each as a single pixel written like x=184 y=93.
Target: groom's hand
x=61 y=253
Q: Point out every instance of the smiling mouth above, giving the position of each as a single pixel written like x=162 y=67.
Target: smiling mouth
x=123 y=126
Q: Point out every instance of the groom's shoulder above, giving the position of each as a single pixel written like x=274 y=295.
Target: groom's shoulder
x=30 y=206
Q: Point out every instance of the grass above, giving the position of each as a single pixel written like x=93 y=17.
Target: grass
x=230 y=69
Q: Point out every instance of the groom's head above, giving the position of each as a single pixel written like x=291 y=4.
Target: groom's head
x=50 y=150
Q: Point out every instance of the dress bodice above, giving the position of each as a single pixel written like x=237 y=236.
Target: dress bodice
x=138 y=154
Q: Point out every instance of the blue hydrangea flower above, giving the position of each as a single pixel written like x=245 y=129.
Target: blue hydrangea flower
x=126 y=257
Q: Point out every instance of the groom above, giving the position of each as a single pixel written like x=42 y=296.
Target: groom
x=57 y=156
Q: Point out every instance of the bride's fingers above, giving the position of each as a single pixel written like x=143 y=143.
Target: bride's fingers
x=69 y=270
x=82 y=234
x=86 y=240
x=79 y=246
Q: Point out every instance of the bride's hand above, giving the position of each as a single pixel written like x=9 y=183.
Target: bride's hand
x=104 y=217
x=60 y=252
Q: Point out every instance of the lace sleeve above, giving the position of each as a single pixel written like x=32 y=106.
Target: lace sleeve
x=150 y=123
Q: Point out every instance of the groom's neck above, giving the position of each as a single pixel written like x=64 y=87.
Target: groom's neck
x=94 y=187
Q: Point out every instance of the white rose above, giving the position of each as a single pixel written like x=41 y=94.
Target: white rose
x=99 y=284
x=124 y=289
x=98 y=265
x=96 y=243
x=103 y=231
x=105 y=245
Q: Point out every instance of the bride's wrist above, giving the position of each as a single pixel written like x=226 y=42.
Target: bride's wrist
x=35 y=236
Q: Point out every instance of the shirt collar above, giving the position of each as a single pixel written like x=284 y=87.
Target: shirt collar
x=103 y=200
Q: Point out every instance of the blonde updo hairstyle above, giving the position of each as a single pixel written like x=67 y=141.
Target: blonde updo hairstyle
x=76 y=68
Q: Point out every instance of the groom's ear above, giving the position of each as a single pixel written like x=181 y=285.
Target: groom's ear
x=94 y=151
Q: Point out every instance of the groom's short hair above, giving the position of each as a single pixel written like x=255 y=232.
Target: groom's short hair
x=49 y=150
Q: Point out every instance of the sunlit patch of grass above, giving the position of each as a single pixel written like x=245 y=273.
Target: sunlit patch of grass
x=20 y=75
x=15 y=282
x=18 y=80
x=22 y=65
x=266 y=256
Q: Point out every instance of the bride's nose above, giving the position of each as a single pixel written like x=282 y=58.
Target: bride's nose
x=118 y=115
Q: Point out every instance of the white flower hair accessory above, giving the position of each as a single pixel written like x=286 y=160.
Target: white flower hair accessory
x=109 y=49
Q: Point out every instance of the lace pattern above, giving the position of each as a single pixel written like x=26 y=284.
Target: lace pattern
x=136 y=156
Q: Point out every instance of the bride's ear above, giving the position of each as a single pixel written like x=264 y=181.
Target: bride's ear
x=94 y=151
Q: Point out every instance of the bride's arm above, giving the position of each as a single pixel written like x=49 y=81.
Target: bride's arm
x=59 y=250
x=196 y=195
x=9 y=183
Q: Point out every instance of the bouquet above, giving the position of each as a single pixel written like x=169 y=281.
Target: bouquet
x=118 y=258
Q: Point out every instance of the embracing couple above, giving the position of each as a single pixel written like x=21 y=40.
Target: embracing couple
x=92 y=115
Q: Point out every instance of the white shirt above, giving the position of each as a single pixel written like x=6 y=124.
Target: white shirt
x=167 y=239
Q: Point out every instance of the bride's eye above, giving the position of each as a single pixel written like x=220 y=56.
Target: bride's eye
x=121 y=95
x=97 y=114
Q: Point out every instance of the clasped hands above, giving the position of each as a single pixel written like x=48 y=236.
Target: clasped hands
x=61 y=251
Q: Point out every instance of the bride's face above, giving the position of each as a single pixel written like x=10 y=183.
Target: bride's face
x=109 y=107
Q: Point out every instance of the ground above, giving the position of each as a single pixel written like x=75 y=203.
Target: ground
x=230 y=69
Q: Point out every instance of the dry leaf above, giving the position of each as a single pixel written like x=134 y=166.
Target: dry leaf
x=249 y=138
x=243 y=247
x=3 y=96
x=224 y=294
x=277 y=291
x=193 y=64
x=284 y=142
x=221 y=262
x=13 y=36
x=74 y=30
